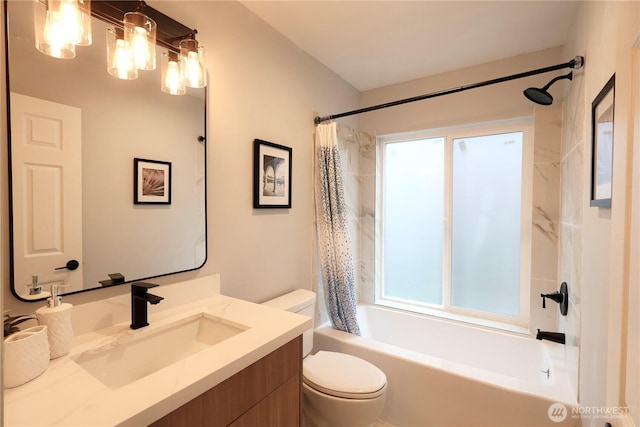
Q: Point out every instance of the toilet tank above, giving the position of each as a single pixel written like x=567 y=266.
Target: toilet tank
x=300 y=301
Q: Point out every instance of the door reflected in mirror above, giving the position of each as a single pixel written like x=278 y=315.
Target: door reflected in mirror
x=75 y=132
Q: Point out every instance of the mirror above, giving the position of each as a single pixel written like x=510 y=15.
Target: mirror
x=83 y=209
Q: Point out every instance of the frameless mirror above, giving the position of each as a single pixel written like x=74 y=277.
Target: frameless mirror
x=80 y=140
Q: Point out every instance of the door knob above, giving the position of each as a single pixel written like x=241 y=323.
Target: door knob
x=70 y=265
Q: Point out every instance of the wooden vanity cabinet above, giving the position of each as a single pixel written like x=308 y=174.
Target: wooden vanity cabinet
x=266 y=393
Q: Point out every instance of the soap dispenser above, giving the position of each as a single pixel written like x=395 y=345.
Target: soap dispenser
x=57 y=316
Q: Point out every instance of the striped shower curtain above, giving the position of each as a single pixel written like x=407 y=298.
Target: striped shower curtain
x=334 y=242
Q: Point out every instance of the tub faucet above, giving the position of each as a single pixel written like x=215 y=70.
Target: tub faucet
x=139 y=300
x=558 y=337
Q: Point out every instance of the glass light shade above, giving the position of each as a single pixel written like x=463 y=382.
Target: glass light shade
x=140 y=35
x=120 y=62
x=172 y=81
x=60 y=25
x=73 y=19
x=54 y=36
x=84 y=17
x=193 y=63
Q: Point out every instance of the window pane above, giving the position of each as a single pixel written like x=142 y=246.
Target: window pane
x=413 y=220
x=487 y=175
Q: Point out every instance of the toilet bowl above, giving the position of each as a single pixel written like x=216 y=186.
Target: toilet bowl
x=342 y=390
x=338 y=389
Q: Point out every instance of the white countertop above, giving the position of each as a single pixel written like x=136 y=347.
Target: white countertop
x=67 y=395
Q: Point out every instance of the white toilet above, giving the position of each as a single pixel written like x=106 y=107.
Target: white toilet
x=338 y=389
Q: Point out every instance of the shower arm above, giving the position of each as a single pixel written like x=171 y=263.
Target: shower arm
x=575 y=63
x=555 y=79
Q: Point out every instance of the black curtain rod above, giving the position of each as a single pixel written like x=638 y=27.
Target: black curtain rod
x=576 y=62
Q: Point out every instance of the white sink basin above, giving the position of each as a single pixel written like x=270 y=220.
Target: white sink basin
x=136 y=354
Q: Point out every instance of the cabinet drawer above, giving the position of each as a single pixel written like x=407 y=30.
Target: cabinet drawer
x=229 y=400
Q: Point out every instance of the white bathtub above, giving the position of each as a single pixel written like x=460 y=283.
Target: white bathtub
x=443 y=373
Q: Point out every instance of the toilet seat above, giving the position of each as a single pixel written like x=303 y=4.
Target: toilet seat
x=343 y=375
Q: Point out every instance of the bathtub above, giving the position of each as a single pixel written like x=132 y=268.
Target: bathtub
x=442 y=373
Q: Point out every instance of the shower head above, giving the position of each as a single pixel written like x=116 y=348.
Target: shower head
x=541 y=95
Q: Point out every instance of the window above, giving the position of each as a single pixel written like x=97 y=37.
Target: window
x=455 y=221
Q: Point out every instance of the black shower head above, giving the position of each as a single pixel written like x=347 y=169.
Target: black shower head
x=541 y=95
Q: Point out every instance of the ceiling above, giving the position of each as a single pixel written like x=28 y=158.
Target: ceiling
x=372 y=44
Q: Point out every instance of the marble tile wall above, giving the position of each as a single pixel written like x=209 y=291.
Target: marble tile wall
x=357 y=153
x=545 y=214
x=572 y=191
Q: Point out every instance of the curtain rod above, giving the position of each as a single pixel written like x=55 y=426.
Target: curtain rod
x=576 y=62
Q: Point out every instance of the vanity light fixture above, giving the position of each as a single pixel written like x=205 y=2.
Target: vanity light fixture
x=172 y=81
x=61 y=25
x=120 y=62
x=140 y=37
x=192 y=63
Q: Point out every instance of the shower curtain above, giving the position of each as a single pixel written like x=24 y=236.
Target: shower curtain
x=334 y=243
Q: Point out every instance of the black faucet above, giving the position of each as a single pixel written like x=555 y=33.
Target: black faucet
x=558 y=337
x=139 y=300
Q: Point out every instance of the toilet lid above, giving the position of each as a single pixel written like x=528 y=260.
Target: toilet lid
x=343 y=375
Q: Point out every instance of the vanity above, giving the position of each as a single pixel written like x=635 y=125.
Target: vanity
x=246 y=371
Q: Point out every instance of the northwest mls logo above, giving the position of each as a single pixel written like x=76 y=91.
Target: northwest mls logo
x=557 y=412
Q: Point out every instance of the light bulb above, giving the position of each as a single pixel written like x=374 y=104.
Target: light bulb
x=193 y=63
x=140 y=34
x=57 y=39
x=122 y=59
x=194 y=70
x=70 y=21
x=119 y=56
x=172 y=81
x=139 y=47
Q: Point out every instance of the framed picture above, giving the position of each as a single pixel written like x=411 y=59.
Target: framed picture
x=602 y=121
x=151 y=182
x=271 y=175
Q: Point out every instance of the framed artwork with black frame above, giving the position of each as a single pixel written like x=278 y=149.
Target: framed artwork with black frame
x=151 y=182
x=602 y=124
x=272 y=167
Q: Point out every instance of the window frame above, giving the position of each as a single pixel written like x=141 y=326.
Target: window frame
x=446 y=309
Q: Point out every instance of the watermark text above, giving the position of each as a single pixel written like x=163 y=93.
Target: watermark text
x=558 y=412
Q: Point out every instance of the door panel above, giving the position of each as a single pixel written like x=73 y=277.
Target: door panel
x=46 y=191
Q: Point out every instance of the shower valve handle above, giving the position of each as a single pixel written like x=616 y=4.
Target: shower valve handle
x=556 y=296
x=561 y=297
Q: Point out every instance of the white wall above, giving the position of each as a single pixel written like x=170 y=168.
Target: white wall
x=260 y=86
x=595 y=241
x=632 y=361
